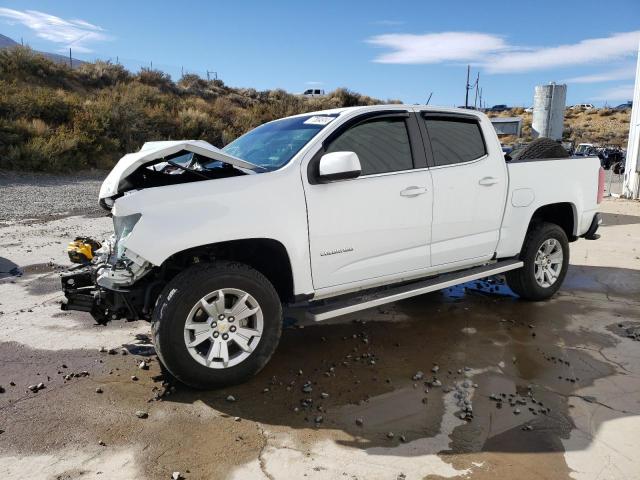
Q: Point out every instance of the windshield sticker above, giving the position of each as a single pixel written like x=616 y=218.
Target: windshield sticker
x=318 y=120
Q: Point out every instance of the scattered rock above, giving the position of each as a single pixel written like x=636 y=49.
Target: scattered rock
x=359 y=422
x=418 y=376
x=231 y=398
x=318 y=419
x=98 y=390
x=176 y=476
x=102 y=349
x=102 y=444
x=324 y=395
x=390 y=435
x=142 y=414
x=143 y=365
x=134 y=378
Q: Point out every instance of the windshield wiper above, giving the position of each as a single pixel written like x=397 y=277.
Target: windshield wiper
x=187 y=169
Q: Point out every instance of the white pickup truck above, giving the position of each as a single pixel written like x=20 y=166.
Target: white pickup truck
x=334 y=212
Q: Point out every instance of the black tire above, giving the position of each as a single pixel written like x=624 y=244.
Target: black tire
x=180 y=296
x=523 y=281
x=540 y=148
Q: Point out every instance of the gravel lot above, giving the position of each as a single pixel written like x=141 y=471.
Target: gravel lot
x=38 y=196
x=456 y=384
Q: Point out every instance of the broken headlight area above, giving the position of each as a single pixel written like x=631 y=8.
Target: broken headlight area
x=115 y=283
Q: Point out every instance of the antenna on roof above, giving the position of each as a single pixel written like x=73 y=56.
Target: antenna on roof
x=429 y=99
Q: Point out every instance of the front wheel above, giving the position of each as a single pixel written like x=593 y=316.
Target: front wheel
x=217 y=324
x=546 y=259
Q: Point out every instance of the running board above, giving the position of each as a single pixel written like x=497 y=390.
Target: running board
x=343 y=307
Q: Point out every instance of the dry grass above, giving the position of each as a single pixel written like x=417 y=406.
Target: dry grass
x=53 y=118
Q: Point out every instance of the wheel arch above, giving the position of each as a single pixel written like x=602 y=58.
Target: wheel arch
x=563 y=214
x=266 y=255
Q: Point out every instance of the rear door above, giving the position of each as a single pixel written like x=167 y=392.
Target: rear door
x=469 y=188
x=378 y=224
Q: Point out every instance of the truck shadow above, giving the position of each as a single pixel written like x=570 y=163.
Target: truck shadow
x=394 y=379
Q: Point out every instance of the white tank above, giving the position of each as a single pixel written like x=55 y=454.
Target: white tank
x=548 y=111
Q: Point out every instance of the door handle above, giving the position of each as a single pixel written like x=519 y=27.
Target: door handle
x=488 y=181
x=413 y=191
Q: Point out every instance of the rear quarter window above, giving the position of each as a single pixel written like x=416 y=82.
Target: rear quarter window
x=455 y=140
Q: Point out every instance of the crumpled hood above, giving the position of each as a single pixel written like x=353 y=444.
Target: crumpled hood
x=151 y=151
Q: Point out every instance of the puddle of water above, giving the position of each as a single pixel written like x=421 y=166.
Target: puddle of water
x=407 y=411
x=485 y=286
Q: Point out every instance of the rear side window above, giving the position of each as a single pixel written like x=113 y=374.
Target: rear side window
x=382 y=145
x=455 y=141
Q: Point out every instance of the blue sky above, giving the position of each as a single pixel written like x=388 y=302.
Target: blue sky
x=399 y=49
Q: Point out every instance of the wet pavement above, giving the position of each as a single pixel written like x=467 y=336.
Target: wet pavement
x=469 y=382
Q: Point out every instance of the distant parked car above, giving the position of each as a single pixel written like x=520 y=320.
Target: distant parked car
x=583 y=106
x=528 y=109
x=499 y=108
x=624 y=106
x=610 y=156
x=585 y=150
x=313 y=92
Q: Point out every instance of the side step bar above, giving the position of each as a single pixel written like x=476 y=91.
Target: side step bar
x=343 y=307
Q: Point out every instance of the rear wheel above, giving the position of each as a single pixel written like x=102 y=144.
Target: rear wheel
x=217 y=324
x=546 y=258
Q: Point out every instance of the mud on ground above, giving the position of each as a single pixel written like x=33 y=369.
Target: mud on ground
x=468 y=382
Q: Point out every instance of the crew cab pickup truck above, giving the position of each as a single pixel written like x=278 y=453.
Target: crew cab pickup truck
x=331 y=212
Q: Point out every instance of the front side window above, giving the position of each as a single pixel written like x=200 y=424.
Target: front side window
x=455 y=140
x=382 y=145
x=273 y=145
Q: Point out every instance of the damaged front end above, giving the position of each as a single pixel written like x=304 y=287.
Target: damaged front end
x=110 y=281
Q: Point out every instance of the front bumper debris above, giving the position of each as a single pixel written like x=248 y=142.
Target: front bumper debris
x=109 y=289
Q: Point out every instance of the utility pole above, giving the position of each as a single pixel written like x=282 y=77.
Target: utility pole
x=475 y=100
x=70 y=60
x=466 y=93
x=215 y=75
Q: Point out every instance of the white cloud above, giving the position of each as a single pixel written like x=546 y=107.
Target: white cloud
x=437 y=47
x=314 y=83
x=619 y=93
x=497 y=56
x=77 y=34
x=585 y=52
x=609 y=76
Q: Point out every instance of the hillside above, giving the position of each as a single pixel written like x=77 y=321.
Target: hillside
x=601 y=126
x=6 y=42
x=53 y=118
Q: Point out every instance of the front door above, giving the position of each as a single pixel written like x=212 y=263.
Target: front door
x=379 y=223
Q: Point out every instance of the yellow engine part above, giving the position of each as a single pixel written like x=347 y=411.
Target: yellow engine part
x=80 y=251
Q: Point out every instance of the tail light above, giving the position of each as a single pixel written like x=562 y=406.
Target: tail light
x=600 y=185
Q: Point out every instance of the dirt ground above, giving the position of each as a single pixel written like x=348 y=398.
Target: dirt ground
x=552 y=389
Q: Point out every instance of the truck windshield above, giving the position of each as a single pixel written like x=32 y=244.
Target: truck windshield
x=273 y=144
